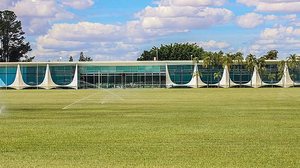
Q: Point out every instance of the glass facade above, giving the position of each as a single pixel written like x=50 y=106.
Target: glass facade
x=239 y=74
x=208 y=75
x=33 y=75
x=135 y=75
x=181 y=74
x=7 y=75
x=271 y=74
x=62 y=75
x=122 y=76
x=295 y=74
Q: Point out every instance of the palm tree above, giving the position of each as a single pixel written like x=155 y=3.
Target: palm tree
x=281 y=66
x=250 y=62
x=261 y=64
x=208 y=62
x=293 y=61
x=197 y=74
x=217 y=75
x=228 y=61
x=238 y=59
x=271 y=77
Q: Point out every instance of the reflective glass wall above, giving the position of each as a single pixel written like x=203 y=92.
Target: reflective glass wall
x=239 y=74
x=7 y=75
x=122 y=76
x=271 y=74
x=210 y=75
x=62 y=74
x=295 y=74
x=181 y=74
x=33 y=74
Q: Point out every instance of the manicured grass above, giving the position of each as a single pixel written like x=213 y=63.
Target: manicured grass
x=150 y=128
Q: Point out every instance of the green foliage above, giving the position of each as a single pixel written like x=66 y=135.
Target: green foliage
x=151 y=128
x=71 y=59
x=14 y=48
x=251 y=62
x=27 y=59
x=83 y=58
x=293 y=61
x=271 y=55
x=281 y=66
x=175 y=51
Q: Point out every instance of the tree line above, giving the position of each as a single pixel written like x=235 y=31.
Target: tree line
x=191 y=51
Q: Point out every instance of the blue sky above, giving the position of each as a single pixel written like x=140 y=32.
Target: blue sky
x=122 y=29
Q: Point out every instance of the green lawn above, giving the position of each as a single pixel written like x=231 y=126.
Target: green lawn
x=150 y=128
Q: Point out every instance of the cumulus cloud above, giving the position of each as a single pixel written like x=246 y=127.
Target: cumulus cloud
x=37 y=15
x=195 y=3
x=273 y=5
x=78 y=4
x=102 y=41
x=252 y=20
x=182 y=16
x=286 y=39
x=213 y=45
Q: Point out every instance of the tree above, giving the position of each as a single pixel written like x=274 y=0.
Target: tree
x=217 y=75
x=12 y=39
x=208 y=63
x=261 y=64
x=83 y=58
x=251 y=62
x=281 y=66
x=177 y=51
x=27 y=59
x=196 y=74
x=70 y=59
x=271 y=77
x=238 y=57
x=293 y=61
x=271 y=55
x=228 y=60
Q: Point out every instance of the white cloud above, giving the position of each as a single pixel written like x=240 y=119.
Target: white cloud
x=86 y=31
x=101 y=41
x=183 y=16
x=37 y=15
x=273 y=5
x=78 y=4
x=286 y=39
x=250 y=20
x=214 y=45
x=195 y=3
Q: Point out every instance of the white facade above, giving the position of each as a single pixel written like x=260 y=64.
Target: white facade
x=195 y=82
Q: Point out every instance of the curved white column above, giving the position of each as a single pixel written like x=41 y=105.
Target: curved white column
x=286 y=79
x=226 y=81
x=196 y=80
x=18 y=82
x=256 y=81
x=48 y=82
x=169 y=82
x=74 y=83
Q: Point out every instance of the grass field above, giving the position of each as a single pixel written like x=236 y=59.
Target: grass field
x=150 y=128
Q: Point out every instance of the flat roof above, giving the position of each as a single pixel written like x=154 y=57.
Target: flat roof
x=115 y=63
